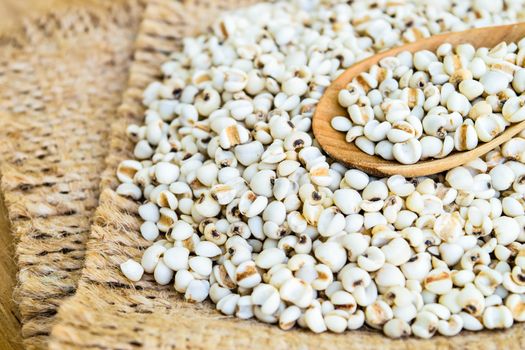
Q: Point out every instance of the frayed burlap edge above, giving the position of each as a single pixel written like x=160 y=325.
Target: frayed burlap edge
x=62 y=77
x=108 y=312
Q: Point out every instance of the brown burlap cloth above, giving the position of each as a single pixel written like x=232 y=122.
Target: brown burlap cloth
x=61 y=80
x=108 y=312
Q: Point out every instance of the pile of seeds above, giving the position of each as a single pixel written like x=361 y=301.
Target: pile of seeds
x=425 y=105
x=241 y=205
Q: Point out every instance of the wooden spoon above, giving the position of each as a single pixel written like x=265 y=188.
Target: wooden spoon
x=333 y=142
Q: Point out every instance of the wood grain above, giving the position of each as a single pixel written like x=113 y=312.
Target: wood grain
x=333 y=142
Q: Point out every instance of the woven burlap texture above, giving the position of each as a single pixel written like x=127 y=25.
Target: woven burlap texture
x=108 y=312
x=62 y=77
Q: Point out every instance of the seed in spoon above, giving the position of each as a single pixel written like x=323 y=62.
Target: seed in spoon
x=424 y=105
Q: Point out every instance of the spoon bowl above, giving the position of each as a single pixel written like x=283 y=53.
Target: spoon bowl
x=333 y=142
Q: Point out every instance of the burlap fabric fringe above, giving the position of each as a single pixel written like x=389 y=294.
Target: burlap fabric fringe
x=108 y=312
x=62 y=78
